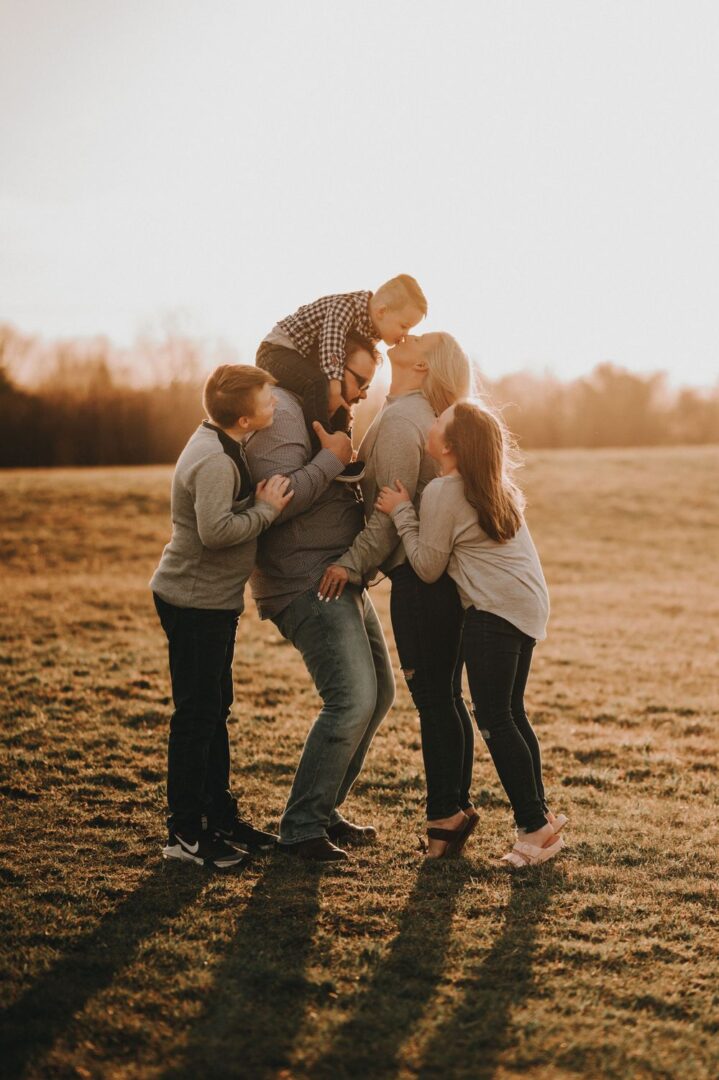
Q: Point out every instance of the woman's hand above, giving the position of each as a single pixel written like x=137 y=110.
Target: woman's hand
x=273 y=491
x=388 y=500
x=333 y=583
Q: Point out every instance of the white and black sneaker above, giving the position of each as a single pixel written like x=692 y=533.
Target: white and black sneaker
x=204 y=849
x=240 y=833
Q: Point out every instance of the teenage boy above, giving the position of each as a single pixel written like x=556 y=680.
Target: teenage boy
x=217 y=515
x=307 y=352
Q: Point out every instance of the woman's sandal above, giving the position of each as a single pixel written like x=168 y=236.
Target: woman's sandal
x=455 y=839
x=523 y=854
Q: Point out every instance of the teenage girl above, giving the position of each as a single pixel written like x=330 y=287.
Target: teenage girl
x=471 y=524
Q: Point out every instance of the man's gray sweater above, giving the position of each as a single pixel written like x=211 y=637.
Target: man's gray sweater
x=316 y=526
x=214 y=534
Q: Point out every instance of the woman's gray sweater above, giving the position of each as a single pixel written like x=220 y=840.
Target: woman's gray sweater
x=393 y=449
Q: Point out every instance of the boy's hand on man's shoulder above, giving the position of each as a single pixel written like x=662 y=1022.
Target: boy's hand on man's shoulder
x=339 y=443
x=274 y=491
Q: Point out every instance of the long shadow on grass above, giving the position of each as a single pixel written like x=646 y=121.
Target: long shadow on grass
x=403 y=985
x=470 y=1043
x=31 y=1025
x=261 y=987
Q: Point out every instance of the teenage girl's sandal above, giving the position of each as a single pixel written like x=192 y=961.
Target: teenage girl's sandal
x=455 y=839
x=560 y=820
x=523 y=854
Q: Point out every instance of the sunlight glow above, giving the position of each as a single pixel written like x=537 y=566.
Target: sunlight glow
x=547 y=171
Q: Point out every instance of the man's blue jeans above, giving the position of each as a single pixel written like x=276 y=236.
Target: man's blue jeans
x=344 y=650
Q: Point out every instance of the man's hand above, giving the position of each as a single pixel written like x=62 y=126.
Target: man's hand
x=335 y=400
x=333 y=583
x=339 y=443
x=272 y=491
x=388 y=500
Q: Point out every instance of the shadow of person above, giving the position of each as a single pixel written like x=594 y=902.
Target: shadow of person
x=404 y=982
x=30 y=1026
x=470 y=1043
x=260 y=988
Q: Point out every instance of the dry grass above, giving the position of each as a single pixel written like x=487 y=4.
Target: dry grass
x=602 y=964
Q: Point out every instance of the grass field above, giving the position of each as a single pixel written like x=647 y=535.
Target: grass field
x=602 y=964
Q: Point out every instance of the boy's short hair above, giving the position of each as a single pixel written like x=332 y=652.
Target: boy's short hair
x=402 y=290
x=358 y=343
x=230 y=391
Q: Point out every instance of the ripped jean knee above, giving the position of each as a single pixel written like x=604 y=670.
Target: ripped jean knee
x=497 y=727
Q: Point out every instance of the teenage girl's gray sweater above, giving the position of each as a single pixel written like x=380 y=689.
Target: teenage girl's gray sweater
x=505 y=579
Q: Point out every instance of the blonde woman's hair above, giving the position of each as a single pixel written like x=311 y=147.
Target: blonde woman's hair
x=231 y=391
x=449 y=375
x=401 y=290
x=486 y=460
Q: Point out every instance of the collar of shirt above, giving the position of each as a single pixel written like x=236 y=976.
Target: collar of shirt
x=236 y=451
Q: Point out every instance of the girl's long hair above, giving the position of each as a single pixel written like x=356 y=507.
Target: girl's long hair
x=449 y=375
x=486 y=460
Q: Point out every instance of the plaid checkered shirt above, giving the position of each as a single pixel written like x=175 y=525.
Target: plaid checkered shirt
x=328 y=321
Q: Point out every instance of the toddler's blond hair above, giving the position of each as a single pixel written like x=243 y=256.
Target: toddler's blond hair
x=399 y=291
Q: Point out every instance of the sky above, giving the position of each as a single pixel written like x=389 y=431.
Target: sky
x=547 y=169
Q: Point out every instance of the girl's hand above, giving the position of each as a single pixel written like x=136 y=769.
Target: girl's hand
x=333 y=583
x=274 y=491
x=388 y=500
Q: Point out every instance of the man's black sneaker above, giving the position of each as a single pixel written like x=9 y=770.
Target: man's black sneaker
x=239 y=833
x=352 y=473
x=318 y=850
x=204 y=849
x=344 y=832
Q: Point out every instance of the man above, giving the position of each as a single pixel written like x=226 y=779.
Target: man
x=342 y=644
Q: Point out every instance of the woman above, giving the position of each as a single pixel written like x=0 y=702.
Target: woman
x=471 y=524
x=429 y=373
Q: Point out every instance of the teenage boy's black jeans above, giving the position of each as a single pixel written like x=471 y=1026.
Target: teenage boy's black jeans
x=427 y=625
x=498 y=657
x=304 y=377
x=201 y=645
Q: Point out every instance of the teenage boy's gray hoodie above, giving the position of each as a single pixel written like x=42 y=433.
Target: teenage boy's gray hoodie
x=214 y=533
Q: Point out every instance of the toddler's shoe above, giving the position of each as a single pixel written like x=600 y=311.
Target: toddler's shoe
x=352 y=473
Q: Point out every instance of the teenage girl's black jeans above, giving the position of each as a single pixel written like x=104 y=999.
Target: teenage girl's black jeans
x=201 y=644
x=427 y=625
x=498 y=657
x=304 y=377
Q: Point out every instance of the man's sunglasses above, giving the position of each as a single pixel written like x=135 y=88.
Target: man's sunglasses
x=362 y=383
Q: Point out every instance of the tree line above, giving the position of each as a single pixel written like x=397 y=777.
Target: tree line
x=84 y=403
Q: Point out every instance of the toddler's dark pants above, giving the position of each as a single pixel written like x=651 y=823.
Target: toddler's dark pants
x=302 y=375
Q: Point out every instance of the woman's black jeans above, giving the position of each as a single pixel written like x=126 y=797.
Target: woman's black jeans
x=201 y=646
x=498 y=657
x=427 y=625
